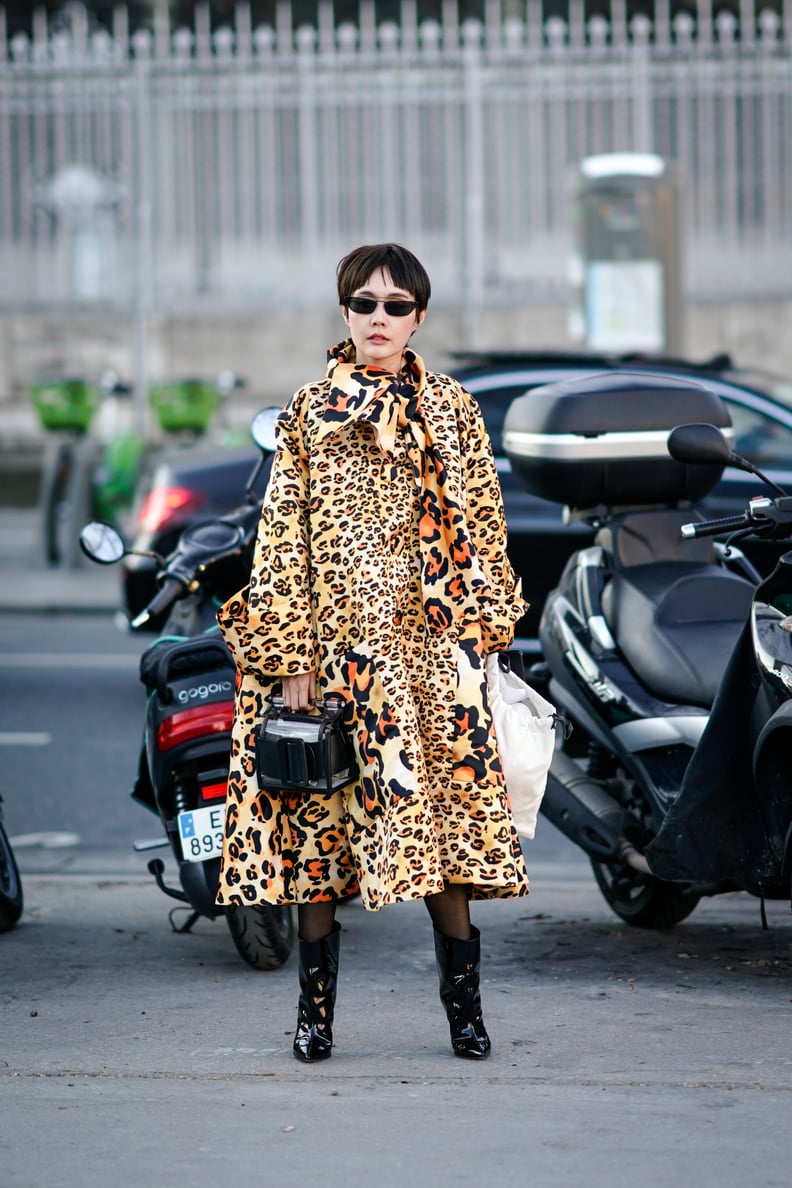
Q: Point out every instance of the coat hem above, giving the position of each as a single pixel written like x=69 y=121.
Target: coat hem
x=478 y=893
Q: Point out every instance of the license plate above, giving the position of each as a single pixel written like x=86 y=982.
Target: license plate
x=201 y=833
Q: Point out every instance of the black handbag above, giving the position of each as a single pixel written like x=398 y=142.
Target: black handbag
x=304 y=752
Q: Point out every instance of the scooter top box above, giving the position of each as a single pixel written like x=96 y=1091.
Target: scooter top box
x=601 y=440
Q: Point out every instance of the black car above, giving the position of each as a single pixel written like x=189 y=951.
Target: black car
x=192 y=485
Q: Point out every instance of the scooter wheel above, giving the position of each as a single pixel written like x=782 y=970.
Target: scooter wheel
x=641 y=900
x=10 y=885
x=263 y=935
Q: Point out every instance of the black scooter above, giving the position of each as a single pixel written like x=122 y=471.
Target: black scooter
x=189 y=676
x=669 y=653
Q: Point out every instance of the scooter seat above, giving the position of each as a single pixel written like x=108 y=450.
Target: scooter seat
x=676 y=624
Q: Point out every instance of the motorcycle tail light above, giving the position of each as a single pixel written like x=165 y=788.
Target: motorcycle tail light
x=215 y=791
x=196 y=722
x=165 y=505
x=213 y=784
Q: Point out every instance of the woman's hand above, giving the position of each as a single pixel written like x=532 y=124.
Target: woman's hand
x=299 y=692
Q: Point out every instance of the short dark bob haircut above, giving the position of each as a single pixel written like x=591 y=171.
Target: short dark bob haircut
x=405 y=270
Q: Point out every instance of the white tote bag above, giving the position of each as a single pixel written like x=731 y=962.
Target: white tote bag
x=525 y=729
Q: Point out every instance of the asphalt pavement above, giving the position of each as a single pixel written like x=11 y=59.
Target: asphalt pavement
x=131 y=1054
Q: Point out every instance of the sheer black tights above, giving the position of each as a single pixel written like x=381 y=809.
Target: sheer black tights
x=449 y=911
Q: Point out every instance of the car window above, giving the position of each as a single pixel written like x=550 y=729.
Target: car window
x=761 y=439
x=776 y=386
x=494 y=402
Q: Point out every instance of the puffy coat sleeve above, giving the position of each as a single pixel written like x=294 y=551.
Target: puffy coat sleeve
x=268 y=626
x=499 y=589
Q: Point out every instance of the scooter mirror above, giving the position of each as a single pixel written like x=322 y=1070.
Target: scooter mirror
x=699 y=444
x=263 y=428
x=102 y=543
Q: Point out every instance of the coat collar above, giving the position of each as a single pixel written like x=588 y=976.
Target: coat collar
x=360 y=392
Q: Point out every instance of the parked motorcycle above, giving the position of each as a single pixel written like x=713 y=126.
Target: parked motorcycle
x=668 y=652
x=189 y=676
x=11 y=898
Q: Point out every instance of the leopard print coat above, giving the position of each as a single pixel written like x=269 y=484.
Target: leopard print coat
x=381 y=564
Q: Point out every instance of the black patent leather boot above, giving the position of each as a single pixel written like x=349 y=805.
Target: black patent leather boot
x=318 y=973
x=458 y=966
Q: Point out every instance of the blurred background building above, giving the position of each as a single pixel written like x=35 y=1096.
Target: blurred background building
x=177 y=181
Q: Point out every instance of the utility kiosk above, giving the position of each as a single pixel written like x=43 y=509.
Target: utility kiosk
x=626 y=269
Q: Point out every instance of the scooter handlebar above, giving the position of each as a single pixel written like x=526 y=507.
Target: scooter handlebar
x=172 y=588
x=715 y=527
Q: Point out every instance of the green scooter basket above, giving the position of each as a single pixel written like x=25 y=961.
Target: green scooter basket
x=185 y=405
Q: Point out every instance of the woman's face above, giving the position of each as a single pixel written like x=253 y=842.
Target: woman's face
x=379 y=337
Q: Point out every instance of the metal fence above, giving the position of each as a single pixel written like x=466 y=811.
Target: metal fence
x=174 y=170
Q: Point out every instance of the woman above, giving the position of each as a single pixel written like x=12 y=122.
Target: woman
x=381 y=575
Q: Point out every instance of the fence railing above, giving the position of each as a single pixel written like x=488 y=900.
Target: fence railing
x=178 y=169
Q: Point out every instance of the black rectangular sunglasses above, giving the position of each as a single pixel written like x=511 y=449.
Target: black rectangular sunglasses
x=367 y=305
